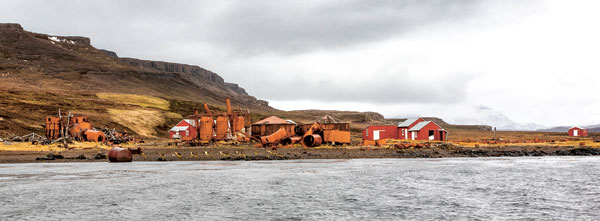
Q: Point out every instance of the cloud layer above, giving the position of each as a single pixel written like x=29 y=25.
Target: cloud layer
x=532 y=61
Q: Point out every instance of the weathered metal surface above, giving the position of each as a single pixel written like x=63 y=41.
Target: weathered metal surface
x=221 y=128
x=275 y=138
x=336 y=136
x=118 y=154
x=94 y=135
x=290 y=140
x=312 y=140
x=206 y=128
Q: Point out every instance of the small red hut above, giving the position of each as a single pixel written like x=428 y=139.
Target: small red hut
x=185 y=130
x=578 y=132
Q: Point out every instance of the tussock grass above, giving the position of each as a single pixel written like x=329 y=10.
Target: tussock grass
x=134 y=99
x=27 y=146
x=141 y=121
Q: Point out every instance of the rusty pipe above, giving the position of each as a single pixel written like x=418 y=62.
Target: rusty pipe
x=290 y=140
x=228 y=102
x=312 y=140
x=207 y=109
x=274 y=138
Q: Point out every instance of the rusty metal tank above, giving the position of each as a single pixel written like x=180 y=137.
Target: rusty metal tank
x=78 y=129
x=53 y=126
x=312 y=140
x=221 y=128
x=238 y=124
x=206 y=128
x=118 y=154
x=94 y=135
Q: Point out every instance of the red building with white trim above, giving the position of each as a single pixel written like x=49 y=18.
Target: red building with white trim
x=377 y=132
x=410 y=129
x=578 y=132
x=185 y=130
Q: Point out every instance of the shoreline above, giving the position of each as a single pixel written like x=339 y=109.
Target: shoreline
x=245 y=153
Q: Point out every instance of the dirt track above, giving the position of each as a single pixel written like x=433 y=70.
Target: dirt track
x=250 y=153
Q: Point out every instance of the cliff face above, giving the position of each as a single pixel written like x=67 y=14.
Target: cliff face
x=98 y=70
x=195 y=72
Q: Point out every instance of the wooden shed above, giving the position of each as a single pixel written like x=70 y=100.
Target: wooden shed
x=578 y=132
x=271 y=124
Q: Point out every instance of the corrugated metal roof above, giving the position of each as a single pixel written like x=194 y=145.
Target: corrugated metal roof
x=271 y=120
x=179 y=128
x=419 y=126
x=408 y=122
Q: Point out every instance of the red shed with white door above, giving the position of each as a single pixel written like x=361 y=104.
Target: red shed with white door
x=378 y=132
x=403 y=127
x=578 y=132
x=427 y=130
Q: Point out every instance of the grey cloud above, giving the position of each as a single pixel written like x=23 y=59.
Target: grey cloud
x=402 y=89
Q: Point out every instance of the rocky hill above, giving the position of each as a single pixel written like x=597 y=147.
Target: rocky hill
x=41 y=73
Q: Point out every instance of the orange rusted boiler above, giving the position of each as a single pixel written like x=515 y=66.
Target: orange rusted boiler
x=94 y=136
x=206 y=128
x=53 y=127
x=221 y=128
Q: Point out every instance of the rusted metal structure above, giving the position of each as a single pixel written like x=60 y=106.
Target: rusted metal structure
x=326 y=129
x=291 y=140
x=275 y=138
x=72 y=127
x=270 y=125
x=231 y=125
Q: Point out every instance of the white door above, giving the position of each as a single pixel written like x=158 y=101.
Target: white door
x=405 y=134
x=375 y=135
x=414 y=134
x=575 y=133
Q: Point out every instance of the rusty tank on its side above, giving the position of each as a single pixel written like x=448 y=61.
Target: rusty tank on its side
x=118 y=154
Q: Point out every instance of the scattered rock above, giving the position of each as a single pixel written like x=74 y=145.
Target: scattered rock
x=100 y=156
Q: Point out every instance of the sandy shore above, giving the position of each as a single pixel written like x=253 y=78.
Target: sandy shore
x=160 y=153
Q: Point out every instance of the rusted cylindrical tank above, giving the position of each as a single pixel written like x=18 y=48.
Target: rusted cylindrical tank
x=78 y=129
x=299 y=130
x=221 y=128
x=206 y=128
x=312 y=140
x=118 y=154
x=238 y=124
x=274 y=138
x=94 y=135
x=290 y=140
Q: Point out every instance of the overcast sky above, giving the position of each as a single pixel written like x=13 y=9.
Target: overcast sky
x=465 y=61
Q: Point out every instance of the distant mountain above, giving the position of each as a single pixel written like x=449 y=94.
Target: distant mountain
x=590 y=128
x=487 y=116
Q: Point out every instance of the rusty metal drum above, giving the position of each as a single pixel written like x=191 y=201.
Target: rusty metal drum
x=118 y=154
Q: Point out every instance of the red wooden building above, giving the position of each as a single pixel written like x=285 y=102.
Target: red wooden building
x=427 y=130
x=185 y=130
x=578 y=132
x=403 y=127
x=410 y=129
x=376 y=132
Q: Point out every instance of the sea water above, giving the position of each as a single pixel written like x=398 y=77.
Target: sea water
x=563 y=188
